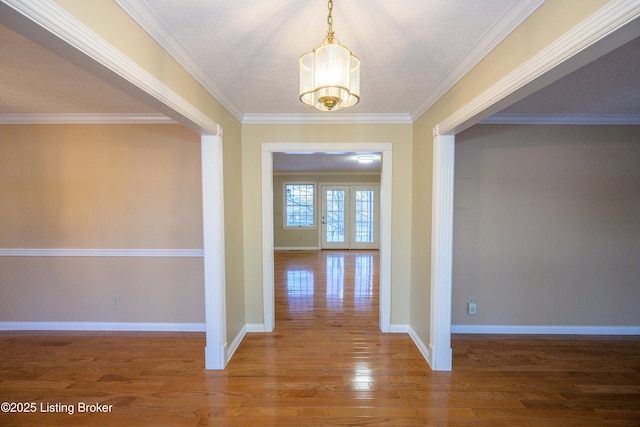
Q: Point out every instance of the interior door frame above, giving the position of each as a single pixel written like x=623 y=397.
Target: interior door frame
x=606 y=29
x=386 y=151
x=350 y=212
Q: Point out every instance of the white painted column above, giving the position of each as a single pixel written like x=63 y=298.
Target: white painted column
x=442 y=251
x=268 y=284
x=213 y=243
x=385 y=241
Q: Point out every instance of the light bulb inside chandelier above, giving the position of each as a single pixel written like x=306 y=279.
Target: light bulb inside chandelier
x=329 y=74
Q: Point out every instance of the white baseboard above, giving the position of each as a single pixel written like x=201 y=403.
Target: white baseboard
x=296 y=248
x=441 y=358
x=385 y=323
x=103 y=326
x=214 y=357
x=545 y=330
x=422 y=347
x=254 y=327
x=235 y=344
x=396 y=328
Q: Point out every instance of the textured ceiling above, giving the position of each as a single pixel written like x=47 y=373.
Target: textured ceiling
x=325 y=162
x=246 y=53
x=250 y=48
x=608 y=85
x=34 y=80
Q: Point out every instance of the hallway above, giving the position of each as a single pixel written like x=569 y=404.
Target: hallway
x=327 y=289
x=325 y=364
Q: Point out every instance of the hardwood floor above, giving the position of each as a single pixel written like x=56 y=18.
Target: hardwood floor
x=326 y=364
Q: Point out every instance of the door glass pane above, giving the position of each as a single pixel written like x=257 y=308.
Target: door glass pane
x=335 y=216
x=364 y=216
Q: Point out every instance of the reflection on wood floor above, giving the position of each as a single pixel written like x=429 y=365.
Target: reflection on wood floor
x=318 y=289
x=326 y=364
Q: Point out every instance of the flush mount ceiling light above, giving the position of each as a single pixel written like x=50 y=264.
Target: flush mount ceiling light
x=366 y=158
x=329 y=74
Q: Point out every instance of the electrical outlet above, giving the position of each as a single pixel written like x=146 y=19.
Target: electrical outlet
x=472 y=309
x=116 y=299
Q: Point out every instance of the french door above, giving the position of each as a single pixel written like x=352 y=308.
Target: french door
x=350 y=216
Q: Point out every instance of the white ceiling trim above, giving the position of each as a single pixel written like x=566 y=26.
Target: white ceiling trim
x=509 y=21
x=149 y=21
x=75 y=119
x=611 y=17
x=344 y=172
x=56 y=20
x=329 y=118
x=563 y=119
x=327 y=147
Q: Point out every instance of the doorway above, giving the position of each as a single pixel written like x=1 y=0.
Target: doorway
x=327 y=291
x=349 y=216
x=385 y=150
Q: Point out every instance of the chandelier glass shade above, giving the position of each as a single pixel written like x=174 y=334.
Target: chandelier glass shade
x=329 y=75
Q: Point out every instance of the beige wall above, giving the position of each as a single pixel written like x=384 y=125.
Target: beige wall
x=546 y=24
x=80 y=289
x=233 y=223
x=547 y=226
x=305 y=238
x=253 y=136
x=100 y=187
x=411 y=180
x=111 y=23
x=112 y=187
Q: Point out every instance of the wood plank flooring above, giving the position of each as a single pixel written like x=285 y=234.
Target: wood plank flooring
x=326 y=364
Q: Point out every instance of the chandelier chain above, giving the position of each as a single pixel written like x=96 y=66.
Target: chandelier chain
x=330 y=20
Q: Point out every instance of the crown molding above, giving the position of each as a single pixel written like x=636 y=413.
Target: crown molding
x=327 y=118
x=140 y=12
x=611 y=17
x=345 y=172
x=151 y=23
x=509 y=21
x=89 y=119
x=497 y=119
x=563 y=119
x=57 y=21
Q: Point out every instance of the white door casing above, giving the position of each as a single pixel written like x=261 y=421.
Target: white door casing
x=608 y=28
x=385 y=219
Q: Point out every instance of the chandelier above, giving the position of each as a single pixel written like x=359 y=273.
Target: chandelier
x=329 y=74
